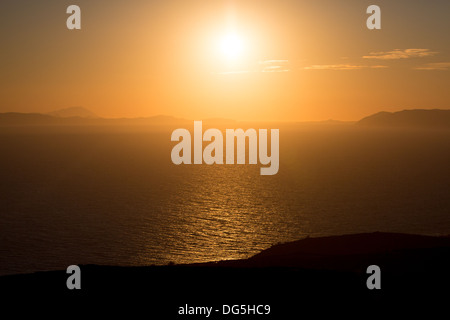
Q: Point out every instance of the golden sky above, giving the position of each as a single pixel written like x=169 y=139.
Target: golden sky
x=246 y=60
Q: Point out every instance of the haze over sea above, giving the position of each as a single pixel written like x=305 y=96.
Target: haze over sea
x=112 y=196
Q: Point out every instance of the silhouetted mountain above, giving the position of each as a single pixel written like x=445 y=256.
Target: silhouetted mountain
x=63 y=119
x=74 y=112
x=313 y=272
x=435 y=118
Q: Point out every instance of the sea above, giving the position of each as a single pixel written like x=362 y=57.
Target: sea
x=112 y=196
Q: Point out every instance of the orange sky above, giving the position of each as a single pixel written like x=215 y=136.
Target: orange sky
x=298 y=60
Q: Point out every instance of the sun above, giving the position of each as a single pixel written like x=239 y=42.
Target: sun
x=231 y=46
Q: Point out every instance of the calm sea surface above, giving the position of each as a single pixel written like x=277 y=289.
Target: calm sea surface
x=113 y=197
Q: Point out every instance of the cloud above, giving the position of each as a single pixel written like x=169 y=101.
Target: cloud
x=435 y=66
x=270 y=62
x=274 y=66
x=262 y=66
x=400 y=54
x=275 y=69
x=341 y=67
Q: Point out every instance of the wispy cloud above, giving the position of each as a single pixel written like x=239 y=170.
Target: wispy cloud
x=341 y=67
x=435 y=66
x=274 y=66
x=400 y=54
x=270 y=62
x=262 y=66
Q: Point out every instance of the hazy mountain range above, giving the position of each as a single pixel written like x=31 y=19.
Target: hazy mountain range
x=424 y=118
x=79 y=112
x=79 y=116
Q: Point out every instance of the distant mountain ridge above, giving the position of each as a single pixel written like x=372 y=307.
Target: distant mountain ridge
x=81 y=117
x=79 y=112
x=435 y=118
x=423 y=118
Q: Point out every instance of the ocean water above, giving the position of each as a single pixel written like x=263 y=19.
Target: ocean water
x=112 y=196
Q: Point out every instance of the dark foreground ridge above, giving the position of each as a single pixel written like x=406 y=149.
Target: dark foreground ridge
x=325 y=275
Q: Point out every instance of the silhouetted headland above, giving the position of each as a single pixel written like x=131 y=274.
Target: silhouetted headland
x=310 y=273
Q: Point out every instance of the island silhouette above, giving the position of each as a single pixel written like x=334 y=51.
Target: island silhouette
x=417 y=118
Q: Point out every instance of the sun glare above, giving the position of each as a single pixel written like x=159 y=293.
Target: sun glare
x=231 y=46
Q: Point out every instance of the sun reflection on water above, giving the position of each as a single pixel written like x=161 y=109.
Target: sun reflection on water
x=219 y=213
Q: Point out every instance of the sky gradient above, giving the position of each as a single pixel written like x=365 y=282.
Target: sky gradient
x=298 y=60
